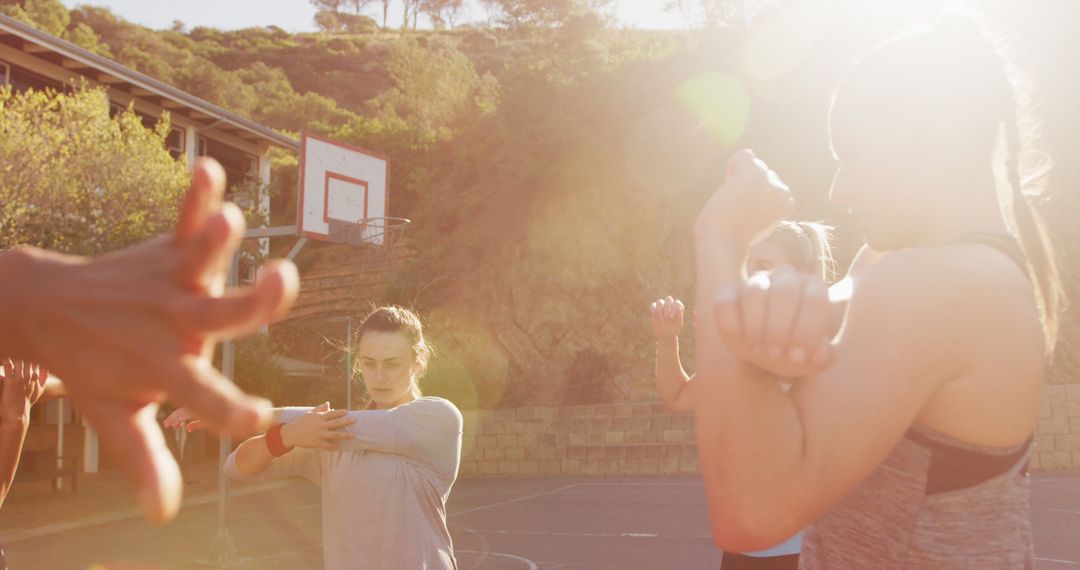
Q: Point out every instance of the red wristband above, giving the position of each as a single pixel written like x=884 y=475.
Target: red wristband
x=274 y=444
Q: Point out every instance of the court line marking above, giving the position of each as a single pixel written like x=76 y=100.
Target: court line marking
x=570 y=486
x=532 y=565
x=19 y=535
x=511 y=501
x=575 y=534
x=484 y=545
x=1069 y=562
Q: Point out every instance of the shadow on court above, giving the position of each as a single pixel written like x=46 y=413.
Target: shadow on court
x=538 y=523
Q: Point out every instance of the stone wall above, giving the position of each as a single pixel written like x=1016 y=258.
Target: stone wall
x=1057 y=441
x=609 y=439
x=631 y=439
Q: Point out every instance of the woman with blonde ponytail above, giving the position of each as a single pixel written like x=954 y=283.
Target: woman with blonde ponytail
x=905 y=439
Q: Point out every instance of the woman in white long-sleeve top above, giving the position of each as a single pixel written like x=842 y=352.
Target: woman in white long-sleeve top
x=385 y=472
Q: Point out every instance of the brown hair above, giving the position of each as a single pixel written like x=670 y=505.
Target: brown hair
x=807 y=246
x=395 y=319
x=953 y=78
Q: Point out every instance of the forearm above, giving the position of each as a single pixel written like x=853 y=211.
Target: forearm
x=12 y=435
x=253 y=456
x=749 y=432
x=672 y=382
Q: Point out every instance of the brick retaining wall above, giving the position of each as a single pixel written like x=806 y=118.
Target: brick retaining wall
x=609 y=439
x=632 y=439
x=1057 y=441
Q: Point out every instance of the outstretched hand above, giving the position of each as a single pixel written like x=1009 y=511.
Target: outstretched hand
x=182 y=418
x=23 y=384
x=667 y=317
x=779 y=321
x=128 y=329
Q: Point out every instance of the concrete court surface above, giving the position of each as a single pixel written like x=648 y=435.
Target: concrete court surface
x=548 y=523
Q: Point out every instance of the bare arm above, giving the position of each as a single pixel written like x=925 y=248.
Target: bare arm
x=22 y=387
x=673 y=384
x=253 y=456
x=12 y=435
x=908 y=331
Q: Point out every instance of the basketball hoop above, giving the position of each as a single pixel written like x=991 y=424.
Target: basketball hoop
x=368 y=231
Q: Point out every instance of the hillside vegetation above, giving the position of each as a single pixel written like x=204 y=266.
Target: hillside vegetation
x=553 y=171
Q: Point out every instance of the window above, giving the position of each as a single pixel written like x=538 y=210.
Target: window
x=176 y=142
x=239 y=166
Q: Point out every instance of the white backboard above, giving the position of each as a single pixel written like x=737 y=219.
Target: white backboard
x=340 y=186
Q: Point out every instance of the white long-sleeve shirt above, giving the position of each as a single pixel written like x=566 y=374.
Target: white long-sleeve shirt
x=384 y=493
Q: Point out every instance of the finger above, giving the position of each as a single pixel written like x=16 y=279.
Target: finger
x=244 y=311
x=193 y=425
x=198 y=386
x=334 y=415
x=813 y=323
x=785 y=298
x=680 y=309
x=203 y=197
x=825 y=355
x=11 y=381
x=43 y=376
x=727 y=312
x=210 y=249
x=339 y=423
x=132 y=438
x=754 y=306
x=340 y=435
x=323 y=407
x=740 y=163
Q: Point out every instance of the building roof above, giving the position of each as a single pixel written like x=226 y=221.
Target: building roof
x=104 y=70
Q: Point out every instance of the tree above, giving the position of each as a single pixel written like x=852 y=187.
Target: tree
x=544 y=13
x=50 y=16
x=332 y=6
x=76 y=180
x=442 y=13
x=713 y=14
x=357 y=6
x=411 y=12
x=385 y=11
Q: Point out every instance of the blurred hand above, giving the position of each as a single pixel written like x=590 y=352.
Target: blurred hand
x=23 y=384
x=182 y=418
x=779 y=321
x=751 y=202
x=317 y=429
x=667 y=318
x=128 y=329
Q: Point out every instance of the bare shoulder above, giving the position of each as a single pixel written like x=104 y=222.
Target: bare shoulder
x=955 y=298
x=972 y=275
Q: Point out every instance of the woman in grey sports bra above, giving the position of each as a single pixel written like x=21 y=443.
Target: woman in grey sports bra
x=904 y=441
